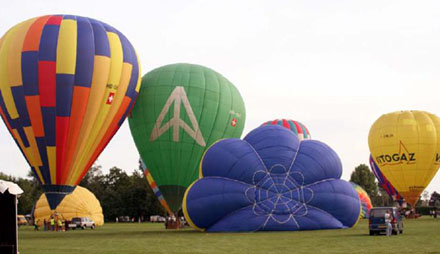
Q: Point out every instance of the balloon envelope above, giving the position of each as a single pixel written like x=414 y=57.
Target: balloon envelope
x=181 y=110
x=270 y=181
x=66 y=85
x=80 y=203
x=298 y=128
x=406 y=147
x=365 y=200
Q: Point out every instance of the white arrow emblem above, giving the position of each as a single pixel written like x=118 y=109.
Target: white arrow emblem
x=178 y=96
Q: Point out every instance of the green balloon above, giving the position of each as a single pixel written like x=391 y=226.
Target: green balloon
x=181 y=110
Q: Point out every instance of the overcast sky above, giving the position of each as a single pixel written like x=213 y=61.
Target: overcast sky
x=335 y=66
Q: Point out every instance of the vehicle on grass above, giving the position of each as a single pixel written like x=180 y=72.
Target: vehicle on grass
x=21 y=220
x=377 y=220
x=82 y=223
x=157 y=218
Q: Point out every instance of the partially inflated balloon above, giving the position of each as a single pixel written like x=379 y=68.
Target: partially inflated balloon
x=80 y=203
x=406 y=147
x=365 y=200
x=66 y=85
x=298 y=128
x=181 y=110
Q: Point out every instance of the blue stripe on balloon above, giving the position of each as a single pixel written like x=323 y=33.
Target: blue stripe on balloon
x=20 y=104
x=69 y=17
x=29 y=70
x=49 y=124
x=64 y=93
x=102 y=46
x=48 y=43
x=85 y=53
x=41 y=144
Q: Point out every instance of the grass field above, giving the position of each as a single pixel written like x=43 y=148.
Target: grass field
x=420 y=236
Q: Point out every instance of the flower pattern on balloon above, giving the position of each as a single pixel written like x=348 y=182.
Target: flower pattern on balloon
x=270 y=181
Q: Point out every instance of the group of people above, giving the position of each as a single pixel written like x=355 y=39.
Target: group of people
x=55 y=223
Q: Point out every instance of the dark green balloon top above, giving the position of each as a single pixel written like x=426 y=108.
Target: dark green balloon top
x=181 y=110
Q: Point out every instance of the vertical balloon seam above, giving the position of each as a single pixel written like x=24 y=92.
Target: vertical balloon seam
x=47 y=68
x=102 y=51
x=437 y=148
x=189 y=178
x=62 y=70
x=112 y=110
x=187 y=82
x=23 y=119
x=83 y=79
x=102 y=109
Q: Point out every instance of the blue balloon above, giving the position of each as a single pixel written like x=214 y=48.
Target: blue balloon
x=270 y=181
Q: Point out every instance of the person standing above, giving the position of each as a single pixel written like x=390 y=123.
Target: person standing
x=52 y=223
x=388 y=218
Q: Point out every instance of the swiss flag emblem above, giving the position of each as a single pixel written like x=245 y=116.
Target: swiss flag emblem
x=234 y=122
x=110 y=98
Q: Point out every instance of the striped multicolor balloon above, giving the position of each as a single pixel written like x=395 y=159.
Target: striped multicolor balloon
x=298 y=128
x=155 y=188
x=66 y=85
x=365 y=200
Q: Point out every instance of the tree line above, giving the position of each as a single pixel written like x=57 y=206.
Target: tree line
x=121 y=194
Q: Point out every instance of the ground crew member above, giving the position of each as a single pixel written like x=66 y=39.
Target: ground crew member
x=52 y=223
x=60 y=225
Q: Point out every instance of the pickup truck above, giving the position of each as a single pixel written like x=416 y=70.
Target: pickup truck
x=82 y=223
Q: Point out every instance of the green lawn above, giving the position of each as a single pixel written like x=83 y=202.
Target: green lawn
x=420 y=236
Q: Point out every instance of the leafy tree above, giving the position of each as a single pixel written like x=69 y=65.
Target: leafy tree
x=31 y=192
x=363 y=176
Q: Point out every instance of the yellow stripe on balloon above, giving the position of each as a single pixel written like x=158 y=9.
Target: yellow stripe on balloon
x=185 y=210
x=101 y=71
x=111 y=100
x=40 y=176
x=28 y=153
x=150 y=179
x=66 y=48
x=4 y=75
x=138 y=84
x=33 y=146
x=52 y=158
x=14 y=54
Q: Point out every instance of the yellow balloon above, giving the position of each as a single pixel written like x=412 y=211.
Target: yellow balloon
x=80 y=203
x=406 y=147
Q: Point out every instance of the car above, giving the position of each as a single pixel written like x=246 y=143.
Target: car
x=82 y=223
x=376 y=220
x=21 y=220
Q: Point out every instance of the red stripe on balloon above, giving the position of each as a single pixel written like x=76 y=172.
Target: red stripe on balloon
x=62 y=123
x=46 y=83
x=298 y=127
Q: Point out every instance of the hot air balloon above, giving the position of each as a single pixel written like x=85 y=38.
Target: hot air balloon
x=80 y=203
x=181 y=110
x=383 y=181
x=298 y=128
x=406 y=147
x=66 y=85
x=270 y=181
x=365 y=200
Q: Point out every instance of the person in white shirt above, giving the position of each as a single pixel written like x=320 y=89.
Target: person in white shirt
x=388 y=219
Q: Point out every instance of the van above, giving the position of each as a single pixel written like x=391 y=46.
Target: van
x=376 y=220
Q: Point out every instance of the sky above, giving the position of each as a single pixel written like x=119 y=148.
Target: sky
x=335 y=66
